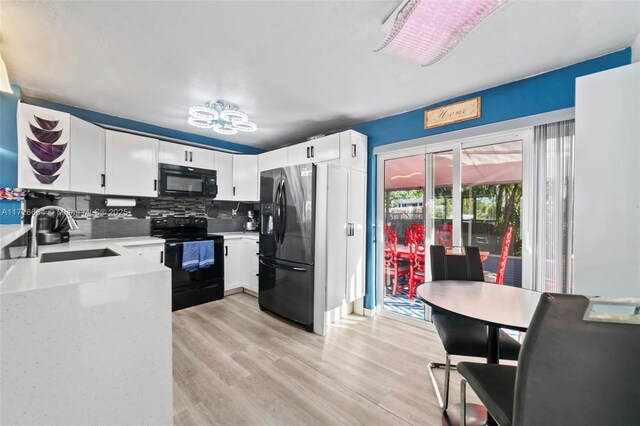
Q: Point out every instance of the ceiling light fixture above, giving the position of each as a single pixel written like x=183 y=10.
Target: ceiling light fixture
x=426 y=31
x=221 y=116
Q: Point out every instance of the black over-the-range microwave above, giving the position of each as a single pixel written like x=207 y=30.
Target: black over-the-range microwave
x=183 y=181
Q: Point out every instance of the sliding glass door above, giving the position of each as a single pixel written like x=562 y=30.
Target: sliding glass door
x=470 y=192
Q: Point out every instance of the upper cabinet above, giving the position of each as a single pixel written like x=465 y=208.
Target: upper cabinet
x=131 y=165
x=223 y=165
x=87 y=157
x=326 y=148
x=43 y=148
x=245 y=178
x=353 y=150
x=273 y=159
x=186 y=155
x=59 y=152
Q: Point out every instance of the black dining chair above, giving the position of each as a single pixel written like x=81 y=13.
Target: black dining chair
x=460 y=335
x=570 y=372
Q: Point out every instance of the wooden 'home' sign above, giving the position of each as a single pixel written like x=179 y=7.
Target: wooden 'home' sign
x=452 y=113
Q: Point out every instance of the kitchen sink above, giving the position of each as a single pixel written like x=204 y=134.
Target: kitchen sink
x=63 y=256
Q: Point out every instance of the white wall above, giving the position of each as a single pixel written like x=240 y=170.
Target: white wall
x=635 y=50
x=607 y=183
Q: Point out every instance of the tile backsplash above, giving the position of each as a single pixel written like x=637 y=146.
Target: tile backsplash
x=102 y=220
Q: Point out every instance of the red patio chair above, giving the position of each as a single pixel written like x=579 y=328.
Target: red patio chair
x=444 y=235
x=498 y=277
x=393 y=268
x=417 y=262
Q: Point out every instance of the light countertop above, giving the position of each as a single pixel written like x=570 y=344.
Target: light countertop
x=29 y=274
x=10 y=233
x=237 y=235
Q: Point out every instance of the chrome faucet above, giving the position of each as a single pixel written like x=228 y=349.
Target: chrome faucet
x=32 y=249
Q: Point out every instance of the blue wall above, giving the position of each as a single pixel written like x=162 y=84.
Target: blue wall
x=546 y=92
x=9 y=153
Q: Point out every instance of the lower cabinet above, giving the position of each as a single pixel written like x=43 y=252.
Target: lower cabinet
x=241 y=263
x=232 y=264
x=250 y=268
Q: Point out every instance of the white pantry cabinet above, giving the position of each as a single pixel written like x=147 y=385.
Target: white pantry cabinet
x=87 y=170
x=273 y=159
x=345 y=236
x=223 y=165
x=232 y=264
x=186 y=155
x=131 y=165
x=245 y=178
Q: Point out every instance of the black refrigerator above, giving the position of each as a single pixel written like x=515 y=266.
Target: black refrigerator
x=287 y=207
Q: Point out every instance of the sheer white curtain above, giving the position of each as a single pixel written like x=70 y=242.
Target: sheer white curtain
x=553 y=207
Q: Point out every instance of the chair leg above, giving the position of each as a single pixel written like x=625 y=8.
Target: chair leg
x=444 y=404
x=463 y=402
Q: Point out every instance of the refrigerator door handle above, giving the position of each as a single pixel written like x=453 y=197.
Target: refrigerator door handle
x=276 y=214
x=283 y=201
x=281 y=266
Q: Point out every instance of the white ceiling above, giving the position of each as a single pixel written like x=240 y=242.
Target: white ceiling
x=298 y=68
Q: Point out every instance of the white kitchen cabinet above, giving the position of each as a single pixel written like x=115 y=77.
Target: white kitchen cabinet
x=186 y=155
x=44 y=146
x=223 y=165
x=345 y=235
x=87 y=165
x=299 y=153
x=250 y=264
x=356 y=241
x=326 y=148
x=232 y=264
x=336 y=236
x=353 y=150
x=340 y=242
x=131 y=165
x=245 y=178
x=273 y=159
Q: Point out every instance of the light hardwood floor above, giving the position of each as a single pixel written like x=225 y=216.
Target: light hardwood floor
x=233 y=364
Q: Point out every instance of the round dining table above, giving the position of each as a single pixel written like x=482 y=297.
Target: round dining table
x=497 y=306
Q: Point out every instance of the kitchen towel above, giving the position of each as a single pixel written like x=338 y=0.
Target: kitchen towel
x=197 y=254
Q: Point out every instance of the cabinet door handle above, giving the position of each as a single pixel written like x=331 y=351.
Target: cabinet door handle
x=354 y=150
x=186 y=156
x=226 y=250
x=162 y=257
x=155 y=184
x=312 y=155
x=191 y=156
x=103 y=180
x=350 y=230
x=308 y=152
x=234 y=191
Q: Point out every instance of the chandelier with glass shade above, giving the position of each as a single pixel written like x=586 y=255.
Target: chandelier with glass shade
x=221 y=116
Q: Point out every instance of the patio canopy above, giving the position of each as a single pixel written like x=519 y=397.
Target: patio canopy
x=485 y=165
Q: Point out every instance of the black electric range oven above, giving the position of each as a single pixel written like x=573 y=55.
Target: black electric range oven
x=199 y=286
